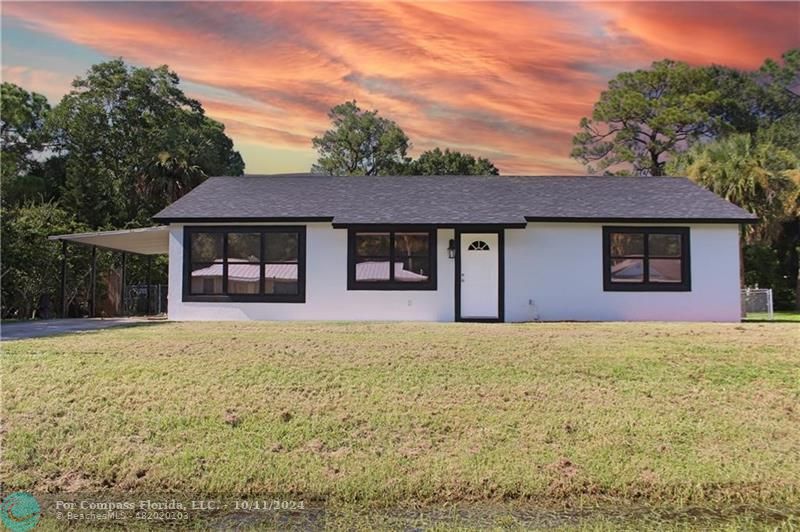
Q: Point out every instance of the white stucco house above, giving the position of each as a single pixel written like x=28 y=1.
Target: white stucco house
x=453 y=248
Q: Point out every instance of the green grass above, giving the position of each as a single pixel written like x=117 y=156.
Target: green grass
x=778 y=316
x=391 y=415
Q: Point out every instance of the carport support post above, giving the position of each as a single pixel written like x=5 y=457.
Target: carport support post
x=63 y=298
x=124 y=260
x=149 y=263
x=93 y=300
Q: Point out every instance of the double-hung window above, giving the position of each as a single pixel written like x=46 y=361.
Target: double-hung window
x=244 y=264
x=391 y=259
x=646 y=259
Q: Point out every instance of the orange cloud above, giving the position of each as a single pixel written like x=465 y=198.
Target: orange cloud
x=508 y=81
x=739 y=34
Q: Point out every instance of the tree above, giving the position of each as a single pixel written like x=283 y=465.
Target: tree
x=120 y=146
x=646 y=116
x=170 y=177
x=781 y=83
x=766 y=105
x=760 y=176
x=766 y=98
x=438 y=162
x=41 y=183
x=116 y=125
x=751 y=172
x=763 y=268
x=22 y=135
x=363 y=143
x=31 y=263
x=22 y=116
x=360 y=143
x=779 y=107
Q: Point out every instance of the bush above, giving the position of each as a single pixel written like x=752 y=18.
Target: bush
x=763 y=268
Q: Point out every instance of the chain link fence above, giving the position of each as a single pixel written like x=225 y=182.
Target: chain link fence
x=136 y=299
x=757 y=302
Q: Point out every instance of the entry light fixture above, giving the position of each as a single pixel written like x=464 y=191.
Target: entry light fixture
x=451 y=249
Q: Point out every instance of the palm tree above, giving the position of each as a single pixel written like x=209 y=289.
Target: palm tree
x=755 y=173
x=759 y=176
x=168 y=177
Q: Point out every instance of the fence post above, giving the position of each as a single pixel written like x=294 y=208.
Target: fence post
x=769 y=303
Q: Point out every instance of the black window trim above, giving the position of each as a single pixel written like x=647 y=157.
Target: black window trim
x=352 y=284
x=299 y=297
x=686 y=279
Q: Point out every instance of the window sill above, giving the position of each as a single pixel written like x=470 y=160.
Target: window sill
x=244 y=298
x=384 y=287
x=646 y=288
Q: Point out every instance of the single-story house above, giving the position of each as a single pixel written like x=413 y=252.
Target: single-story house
x=453 y=248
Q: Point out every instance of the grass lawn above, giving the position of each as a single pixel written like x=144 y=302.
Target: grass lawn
x=391 y=415
x=777 y=316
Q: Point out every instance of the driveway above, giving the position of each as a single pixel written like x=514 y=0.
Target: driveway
x=19 y=330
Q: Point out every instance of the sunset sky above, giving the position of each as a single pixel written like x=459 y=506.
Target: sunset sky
x=507 y=81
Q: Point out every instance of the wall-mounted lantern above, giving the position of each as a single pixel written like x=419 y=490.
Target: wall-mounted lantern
x=451 y=249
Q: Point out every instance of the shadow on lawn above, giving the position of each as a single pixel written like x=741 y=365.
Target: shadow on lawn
x=512 y=516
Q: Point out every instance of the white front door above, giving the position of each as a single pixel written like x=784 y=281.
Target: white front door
x=480 y=275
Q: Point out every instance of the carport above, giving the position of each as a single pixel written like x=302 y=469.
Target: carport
x=146 y=241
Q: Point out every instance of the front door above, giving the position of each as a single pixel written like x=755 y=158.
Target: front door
x=480 y=276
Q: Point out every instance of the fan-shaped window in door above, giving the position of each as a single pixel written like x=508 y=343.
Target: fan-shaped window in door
x=478 y=245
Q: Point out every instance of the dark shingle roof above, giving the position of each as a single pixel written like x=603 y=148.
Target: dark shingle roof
x=449 y=200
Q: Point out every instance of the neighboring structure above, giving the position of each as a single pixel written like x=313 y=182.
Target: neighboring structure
x=452 y=248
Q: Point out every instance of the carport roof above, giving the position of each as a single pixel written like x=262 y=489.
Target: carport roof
x=145 y=240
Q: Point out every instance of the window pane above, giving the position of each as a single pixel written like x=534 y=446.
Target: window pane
x=280 y=247
x=412 y=257
x=243 y=278
x=206 y=278
x=478 y=245
x=372 y=245
x=244 y=247
x=206 y=247
x=627 y=244
x=412 y=270
x=665 y=270
x=664 y=245
x=627 y=270
x=280 y=286
x=411 y=244
x=372 y=270
x=280 y=278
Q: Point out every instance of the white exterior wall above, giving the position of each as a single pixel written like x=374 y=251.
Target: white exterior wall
x=554 y=271
x=327 y=297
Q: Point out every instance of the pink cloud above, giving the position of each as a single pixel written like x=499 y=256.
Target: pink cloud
x=509 y=81
x=51 y=84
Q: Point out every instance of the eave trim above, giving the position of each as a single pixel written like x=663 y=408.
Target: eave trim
x=642 y=220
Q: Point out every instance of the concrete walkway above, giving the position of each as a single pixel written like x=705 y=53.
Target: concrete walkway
x=19 y=330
